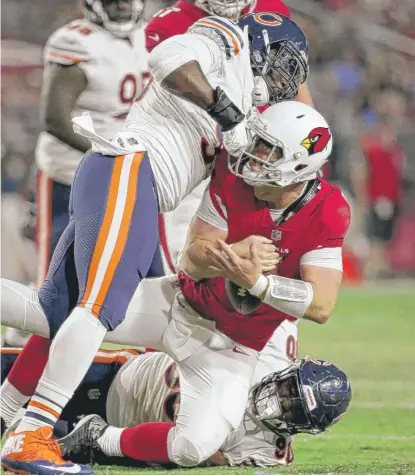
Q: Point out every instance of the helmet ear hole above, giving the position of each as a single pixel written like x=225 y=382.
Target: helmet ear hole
x=300 y=167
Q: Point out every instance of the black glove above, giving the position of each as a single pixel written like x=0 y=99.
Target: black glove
x=224 y=111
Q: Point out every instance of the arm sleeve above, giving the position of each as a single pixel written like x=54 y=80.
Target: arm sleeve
x=332 y=224
x=324 y=257
x=181 y=49
x=211 y=210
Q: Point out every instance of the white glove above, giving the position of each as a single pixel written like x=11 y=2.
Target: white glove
x=235 y=140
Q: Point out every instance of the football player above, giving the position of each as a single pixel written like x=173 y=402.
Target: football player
x=125 y=388
x=96 y=64
x=175 y=20
x=213 y=324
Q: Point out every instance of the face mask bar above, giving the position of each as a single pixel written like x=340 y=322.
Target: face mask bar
x=269 y=173
x=225 y=8
x=287 y=61
x=278 y=404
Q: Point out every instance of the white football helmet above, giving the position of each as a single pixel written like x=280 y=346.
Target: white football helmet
x=290 y=143
x=94 y=11
x=225 y=8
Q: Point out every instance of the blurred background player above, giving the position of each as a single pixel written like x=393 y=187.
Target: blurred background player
x=175 y=20
x=97 y=64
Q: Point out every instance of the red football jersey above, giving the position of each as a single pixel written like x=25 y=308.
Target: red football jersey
x=177 y=19
x=320 y=223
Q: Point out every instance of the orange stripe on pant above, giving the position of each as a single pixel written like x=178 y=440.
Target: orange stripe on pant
x=105 y=229
x=34 y=403
x=44 y=225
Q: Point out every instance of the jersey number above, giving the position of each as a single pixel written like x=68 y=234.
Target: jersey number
x=165 y=11
x=172 y=401
x=128 y=89
x=291 y=347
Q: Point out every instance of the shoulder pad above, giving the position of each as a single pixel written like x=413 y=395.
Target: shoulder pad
x=226 y=33
x=69 y=45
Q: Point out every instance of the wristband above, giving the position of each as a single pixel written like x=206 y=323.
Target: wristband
x=259 y=287
x=224 y=111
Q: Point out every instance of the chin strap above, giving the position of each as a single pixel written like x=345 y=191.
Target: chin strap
x=310 y=192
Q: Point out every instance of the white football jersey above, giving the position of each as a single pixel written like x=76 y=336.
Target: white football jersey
x=115 y=69
x=147 y=388
x=179 y=136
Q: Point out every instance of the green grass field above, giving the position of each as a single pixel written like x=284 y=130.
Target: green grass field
x=372 y=337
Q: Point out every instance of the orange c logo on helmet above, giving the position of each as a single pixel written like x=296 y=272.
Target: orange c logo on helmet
x=317 y=140
x=269 y=19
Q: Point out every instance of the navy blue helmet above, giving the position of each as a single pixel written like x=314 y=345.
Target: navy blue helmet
x=306 y=397
x=279 y=56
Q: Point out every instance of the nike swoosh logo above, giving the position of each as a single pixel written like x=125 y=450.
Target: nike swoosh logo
x=74 y=469
x=155 y=37
x=238 y=351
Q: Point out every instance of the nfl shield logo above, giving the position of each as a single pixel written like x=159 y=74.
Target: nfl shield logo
x=276 y=235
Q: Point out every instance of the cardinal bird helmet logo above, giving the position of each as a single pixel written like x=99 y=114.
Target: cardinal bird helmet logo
x=317 y=140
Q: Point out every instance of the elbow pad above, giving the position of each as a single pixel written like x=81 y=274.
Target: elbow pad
x=224 y=111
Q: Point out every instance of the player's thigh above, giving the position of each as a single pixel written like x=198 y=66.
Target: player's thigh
x=115 y=210
x=148 y=314
x=59 y=292
x=214 y=387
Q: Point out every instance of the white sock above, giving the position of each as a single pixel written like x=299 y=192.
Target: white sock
x=110 y=441
x=11 y=400
x=72 y=352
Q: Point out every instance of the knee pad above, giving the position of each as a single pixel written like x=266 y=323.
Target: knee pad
x=186 y=452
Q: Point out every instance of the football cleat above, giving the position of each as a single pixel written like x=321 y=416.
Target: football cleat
x=35 y=452
x=80 y=443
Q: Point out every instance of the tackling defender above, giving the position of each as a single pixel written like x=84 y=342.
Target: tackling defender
x=175 y=20
x=111 y=238
x=127 y=388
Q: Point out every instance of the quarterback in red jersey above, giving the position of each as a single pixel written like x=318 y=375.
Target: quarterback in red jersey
x=272 y=198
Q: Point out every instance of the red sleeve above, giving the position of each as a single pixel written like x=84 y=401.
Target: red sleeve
x=217 y=184
x=155 y=33
x=332 y=222
x=275 y=6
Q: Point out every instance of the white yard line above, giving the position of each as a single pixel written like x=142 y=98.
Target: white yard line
x=357 y=436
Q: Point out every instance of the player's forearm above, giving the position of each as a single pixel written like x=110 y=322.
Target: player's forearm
x=295 y=297
x=321 y=307
x=64 y=132
x=195 y=262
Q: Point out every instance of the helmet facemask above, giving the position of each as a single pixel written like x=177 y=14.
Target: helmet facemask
x=278 y=403
x=263 y=161
x=283 y=68
x=95 y=11
x=224 y=8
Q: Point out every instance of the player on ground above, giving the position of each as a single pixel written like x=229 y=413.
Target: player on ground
x=203 y=82
x=205 y=327
x=175 y=20
x=95 y=64
x=127 y=388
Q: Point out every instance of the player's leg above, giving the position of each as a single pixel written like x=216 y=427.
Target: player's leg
x=214 y=385
x=115 y=215
x=52 y=218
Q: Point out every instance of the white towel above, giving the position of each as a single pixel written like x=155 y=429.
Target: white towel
x=124 y=143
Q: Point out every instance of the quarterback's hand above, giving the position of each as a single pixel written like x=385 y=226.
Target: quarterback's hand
x=265 y=249
x=235 y=140
x=242 y=271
